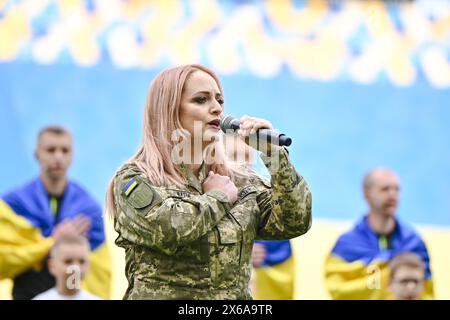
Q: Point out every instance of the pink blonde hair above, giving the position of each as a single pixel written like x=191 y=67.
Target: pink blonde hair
x=161 y=118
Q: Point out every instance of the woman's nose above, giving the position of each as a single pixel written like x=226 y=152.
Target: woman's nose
x=216 y=108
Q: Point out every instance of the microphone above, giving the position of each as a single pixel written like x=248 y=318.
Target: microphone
x=231 y=123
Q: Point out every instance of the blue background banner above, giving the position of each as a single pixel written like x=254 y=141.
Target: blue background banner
x=340 y=130
x=356 y=84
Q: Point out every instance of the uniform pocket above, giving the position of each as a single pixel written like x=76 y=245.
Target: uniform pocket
x=226 y=253
x=228 y=235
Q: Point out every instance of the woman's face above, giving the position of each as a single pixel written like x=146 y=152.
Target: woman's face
x=201 y=107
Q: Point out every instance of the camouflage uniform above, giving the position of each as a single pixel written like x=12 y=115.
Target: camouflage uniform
x=186 y=244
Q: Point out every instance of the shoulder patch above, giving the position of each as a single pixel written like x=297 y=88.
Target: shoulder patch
x=129 y=187
x=140 y=194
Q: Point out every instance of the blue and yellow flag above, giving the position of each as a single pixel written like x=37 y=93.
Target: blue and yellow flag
x=274 y=280
x=357 y=267
x=26 y=225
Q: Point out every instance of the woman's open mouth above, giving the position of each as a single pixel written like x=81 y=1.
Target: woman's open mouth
x=215 y=123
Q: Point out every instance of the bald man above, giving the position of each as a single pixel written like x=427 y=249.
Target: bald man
x=381 y=191
x=357 y=266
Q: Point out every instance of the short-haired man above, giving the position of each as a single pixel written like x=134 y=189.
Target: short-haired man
x=47 y=208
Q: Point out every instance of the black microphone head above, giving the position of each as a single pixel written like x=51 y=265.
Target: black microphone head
x=284 y=140
x=229 y=123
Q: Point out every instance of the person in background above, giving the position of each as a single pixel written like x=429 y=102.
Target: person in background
x=68 y=263
x=357 y=267
x=407 y=276
x=44 y=210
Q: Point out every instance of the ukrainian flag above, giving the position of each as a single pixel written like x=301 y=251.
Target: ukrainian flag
x=357 y=266
x=26 y=225
x=274 y=280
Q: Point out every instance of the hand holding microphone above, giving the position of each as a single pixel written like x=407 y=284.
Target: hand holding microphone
x=258 y=133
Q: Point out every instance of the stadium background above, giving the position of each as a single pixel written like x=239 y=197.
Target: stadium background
x=356 y=84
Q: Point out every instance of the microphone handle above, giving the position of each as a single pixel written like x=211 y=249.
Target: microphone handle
x=271 y=137
x=267 y=135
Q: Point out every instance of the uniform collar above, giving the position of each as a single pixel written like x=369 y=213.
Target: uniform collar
x=192 y=180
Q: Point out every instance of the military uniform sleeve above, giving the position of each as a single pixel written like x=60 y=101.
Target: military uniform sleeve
x=160 y=219
x=285 y=204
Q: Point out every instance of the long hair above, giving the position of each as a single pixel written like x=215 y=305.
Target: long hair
x=161 y=119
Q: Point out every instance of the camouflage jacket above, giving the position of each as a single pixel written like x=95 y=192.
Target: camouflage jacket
x=186 y=244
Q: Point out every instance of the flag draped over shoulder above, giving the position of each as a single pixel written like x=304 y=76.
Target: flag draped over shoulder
x=357 y=267
x=274 y=280
x=26 y=225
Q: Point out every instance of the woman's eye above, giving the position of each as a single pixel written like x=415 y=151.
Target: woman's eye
x=200 y=100
x=220 y=101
